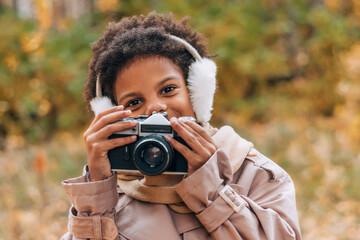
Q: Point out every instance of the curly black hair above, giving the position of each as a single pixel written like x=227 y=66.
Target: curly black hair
x=136 y=37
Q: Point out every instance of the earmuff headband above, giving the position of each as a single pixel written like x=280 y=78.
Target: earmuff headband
x=98 y=87
x=188 y=47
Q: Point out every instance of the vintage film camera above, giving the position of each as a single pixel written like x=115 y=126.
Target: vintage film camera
x=151 y=154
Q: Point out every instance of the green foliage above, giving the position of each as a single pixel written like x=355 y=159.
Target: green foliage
x=42 y=74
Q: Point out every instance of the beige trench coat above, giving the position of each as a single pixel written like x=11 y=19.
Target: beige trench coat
x=262 y=190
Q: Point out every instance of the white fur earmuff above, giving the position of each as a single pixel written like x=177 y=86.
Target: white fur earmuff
x=201 y=84
x=100 y=104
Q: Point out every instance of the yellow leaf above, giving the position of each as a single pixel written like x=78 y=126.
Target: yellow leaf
x=11 y=61
x=32 y=42
x=107 y=5
x=44 y=16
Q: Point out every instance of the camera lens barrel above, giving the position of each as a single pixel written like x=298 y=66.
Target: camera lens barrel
x=152 y=154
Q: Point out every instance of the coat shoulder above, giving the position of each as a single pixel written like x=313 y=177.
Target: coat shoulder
x=262 y=162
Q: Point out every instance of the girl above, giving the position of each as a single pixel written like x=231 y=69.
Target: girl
x=231 y=191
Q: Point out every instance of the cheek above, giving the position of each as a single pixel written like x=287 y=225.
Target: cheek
x=188 y=108
x=187 y=104
x=181 y=106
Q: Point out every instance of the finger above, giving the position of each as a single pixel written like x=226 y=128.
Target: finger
x=198 y=129
x=189 y=128
x=109 y=118
x=181 y=148
x=189 y=138
x=110 y=110
x=198 y=137
x=94 y=137
x=194 y=160
x=109 y=129
x=117 y=142
x=102 y=147
x=203 y=136
x=198 y=143
x=210 y=146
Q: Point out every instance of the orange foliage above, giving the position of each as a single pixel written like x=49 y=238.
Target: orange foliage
x=11 y=61
x=40 y=161
x=356 y=4
x=44 y=17
x=31 y=42
x=107 y=5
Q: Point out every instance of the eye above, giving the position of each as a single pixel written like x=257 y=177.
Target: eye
x=167 y=89
x=133 y=103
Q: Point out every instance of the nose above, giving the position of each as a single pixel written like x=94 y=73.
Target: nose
x=156 y=105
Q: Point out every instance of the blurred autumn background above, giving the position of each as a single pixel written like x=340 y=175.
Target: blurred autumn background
x=288 y=81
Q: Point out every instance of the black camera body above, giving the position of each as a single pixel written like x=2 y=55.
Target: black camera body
x=151 y=154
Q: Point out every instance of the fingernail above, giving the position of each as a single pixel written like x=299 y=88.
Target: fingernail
x=167 y=137
x=128 y=111
x=133 y=137
x=181 y=120
x=174 y=120
x=120 y=107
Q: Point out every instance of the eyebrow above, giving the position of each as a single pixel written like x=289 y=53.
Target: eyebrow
x=134 y=94
x=167 y=79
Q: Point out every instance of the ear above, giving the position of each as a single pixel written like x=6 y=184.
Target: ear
x=100 y=104
x=202 y=86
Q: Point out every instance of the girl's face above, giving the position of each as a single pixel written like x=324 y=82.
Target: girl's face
x=153 y=84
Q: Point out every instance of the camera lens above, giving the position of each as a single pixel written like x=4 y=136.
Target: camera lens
x=152 y=154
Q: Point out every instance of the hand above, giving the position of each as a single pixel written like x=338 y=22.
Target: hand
x=98 y=144
x=201 y=143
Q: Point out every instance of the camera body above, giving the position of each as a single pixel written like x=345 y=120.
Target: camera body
x=151 y=154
